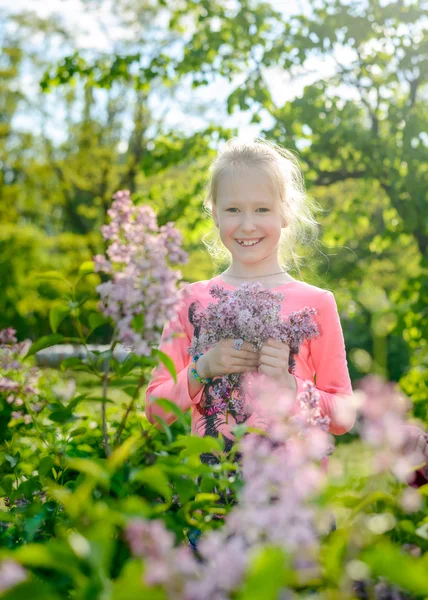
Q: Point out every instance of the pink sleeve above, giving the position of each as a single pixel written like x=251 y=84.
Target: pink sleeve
x=161 y=384
x=330 y=365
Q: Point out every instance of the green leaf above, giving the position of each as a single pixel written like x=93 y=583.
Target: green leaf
x=7 y=517
x=131 y=361
x=155 y=478
x=165 y=427
x=99 y=399
x=130 y=584
x=32 y=588
x=121 y=454
x=91 y=468
x=78 y=431
x=7 y=484
x=12 y=460
x=45 y=466
x=57 y=314
x=96 y=320
x=51 y=276
x=333 y=554
x=137 y=322
x=50 y=555
x=130 y=390
x=170 y=406
x=62 y=416
x=407 y=572
x=45 y=341
x=86 y=268
x=167 y=361
x=75 y=401
x=193 y=444
x=266 y=575
x=75 y=364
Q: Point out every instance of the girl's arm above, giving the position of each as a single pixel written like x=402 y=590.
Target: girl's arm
x=187 y=391
x=328 y=356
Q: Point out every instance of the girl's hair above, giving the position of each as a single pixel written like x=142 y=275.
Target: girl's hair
x=285 y=174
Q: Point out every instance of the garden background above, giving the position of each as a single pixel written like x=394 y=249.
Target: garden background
x=97 y=96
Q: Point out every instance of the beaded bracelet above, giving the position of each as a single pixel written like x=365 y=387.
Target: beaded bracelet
x=195 y=373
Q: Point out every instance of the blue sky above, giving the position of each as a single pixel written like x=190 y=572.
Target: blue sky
x=98 y=29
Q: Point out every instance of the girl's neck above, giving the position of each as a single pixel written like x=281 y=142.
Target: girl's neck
x=237 y=272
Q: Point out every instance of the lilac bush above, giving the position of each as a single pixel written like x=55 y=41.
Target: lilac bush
x=279 y=505
x=141 y=294
x=281 y=474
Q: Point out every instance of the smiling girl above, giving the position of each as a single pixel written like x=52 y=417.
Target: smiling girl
x=261 y=212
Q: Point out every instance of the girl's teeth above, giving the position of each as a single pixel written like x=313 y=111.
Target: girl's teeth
x=249 y=244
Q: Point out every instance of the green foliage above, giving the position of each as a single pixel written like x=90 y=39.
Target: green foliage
x=77 y=467
x=68 y=485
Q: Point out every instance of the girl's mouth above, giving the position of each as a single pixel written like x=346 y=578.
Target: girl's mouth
x=249 y=243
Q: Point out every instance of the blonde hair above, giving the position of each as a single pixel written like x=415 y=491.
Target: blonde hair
x=286 y=176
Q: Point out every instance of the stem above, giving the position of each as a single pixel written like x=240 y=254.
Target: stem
x=127 y=412
x=103 y=415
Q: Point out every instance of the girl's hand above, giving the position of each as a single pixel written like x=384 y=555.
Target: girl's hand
x=274 y=358
x=224 y=358
x=418 y=440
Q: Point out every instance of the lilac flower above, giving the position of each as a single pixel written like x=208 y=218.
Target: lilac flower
x=280 y=479
x=7 y=385
x=164 y=565
x=141 y=294
x=7 y=336
x=252 y=313
x=383 y=425
x=11 y=573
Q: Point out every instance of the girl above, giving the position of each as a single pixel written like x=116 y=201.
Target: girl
x=260 y=210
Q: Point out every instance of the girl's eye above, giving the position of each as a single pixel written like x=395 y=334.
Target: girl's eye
x=265 y=209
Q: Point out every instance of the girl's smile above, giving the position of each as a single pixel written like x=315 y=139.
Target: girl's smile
x=249 y=243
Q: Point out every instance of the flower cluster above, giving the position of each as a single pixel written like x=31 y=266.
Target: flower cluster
x=253 y=313
x=141 y=294
x=11 y=573
x=383 y=424
x=17 y=385
x=280 y=477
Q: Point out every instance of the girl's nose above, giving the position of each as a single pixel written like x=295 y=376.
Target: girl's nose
x=247 y=223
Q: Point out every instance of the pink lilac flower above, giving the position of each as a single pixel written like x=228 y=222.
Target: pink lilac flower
x=7 y=385
x=253 y=313
x=11 y=573
x=280 y=478
x=7 y=336
x=164 y=564
x=383 y=424
x=141 y=294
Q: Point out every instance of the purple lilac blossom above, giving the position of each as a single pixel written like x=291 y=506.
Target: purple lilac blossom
x=11 y=573
x=383 y=424
x=253 y=313
x=142 y=293
x=16 y=382
x=273 y=509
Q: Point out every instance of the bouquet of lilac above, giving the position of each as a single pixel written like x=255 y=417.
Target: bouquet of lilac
x=253 y=313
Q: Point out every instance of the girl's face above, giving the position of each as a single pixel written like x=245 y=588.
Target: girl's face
x=248 y=210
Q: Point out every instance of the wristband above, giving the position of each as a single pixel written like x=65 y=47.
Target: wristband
x=195 y=373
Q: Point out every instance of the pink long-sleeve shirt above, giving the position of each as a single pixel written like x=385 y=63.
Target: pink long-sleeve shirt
x=324 y=356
